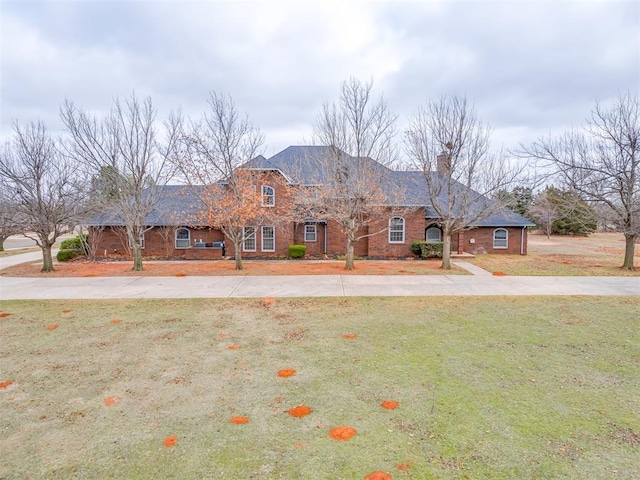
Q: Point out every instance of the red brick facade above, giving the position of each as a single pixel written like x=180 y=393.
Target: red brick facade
x=325 y=239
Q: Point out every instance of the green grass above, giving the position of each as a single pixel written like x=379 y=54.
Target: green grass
x=488 y=388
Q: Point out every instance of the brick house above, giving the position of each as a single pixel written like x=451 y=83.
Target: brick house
x=176 y=231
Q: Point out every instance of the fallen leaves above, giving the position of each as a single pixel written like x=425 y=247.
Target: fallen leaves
x=342 y=433
x=378 y=476
x=4 y=314
x=116 y=321
x=499 y=274
x=109 y=401
x=52 y=326
x=268 y=301
x=350 y=336
x=286 y=373
x=170 y=441
x=239 y=420
x=300 y=411
x=6 y=383
x=389 y=405
x=233 y=347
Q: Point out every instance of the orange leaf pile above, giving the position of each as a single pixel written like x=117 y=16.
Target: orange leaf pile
x=299 y=411
x=404 y=466
x=350 y=335
x=378 y=476
x=389 y=405
x=66 y=311
x=170 y=441
x=4 y=314
x=342 y=433
x=111 y=401
x=233 y=347
x=6 y=383
x=286 y=373
x=116 y=321
x=499 y=274
x=239 y=420
x=180 y=274
x=52 y=326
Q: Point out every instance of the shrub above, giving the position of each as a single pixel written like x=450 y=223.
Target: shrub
x=79 y=244
x=297 y=251
x=425 y=249
x=66 y=255
x=416 y=247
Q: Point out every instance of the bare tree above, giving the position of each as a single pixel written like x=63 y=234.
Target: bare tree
x=9 y=219
x=46 y=186
x=213 y=151
x=602 y=163
x=351 y=190
x=544 y=212
x=124 y=151
x=450 y=145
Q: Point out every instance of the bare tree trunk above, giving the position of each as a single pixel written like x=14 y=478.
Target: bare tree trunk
x=629 y=251
x=137 y=258
x=2 y=239
x=238 y=254
x=47 y=261
x=446 y=251
x=350 y=254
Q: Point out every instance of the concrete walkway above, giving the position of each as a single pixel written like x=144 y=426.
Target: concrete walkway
x=480 y=283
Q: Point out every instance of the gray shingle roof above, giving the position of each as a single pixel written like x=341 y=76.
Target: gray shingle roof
x=303 y=165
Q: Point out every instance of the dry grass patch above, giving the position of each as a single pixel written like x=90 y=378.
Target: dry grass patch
x=497 y=388
x=600 y=254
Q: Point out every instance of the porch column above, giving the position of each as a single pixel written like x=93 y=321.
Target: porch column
x=460 y=242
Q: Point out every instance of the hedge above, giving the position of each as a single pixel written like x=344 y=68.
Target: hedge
x=297 y=251
x=425 y=249
x=66 y=255
x=79 y=244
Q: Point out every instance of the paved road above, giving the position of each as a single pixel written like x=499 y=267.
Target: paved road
x=480 y=283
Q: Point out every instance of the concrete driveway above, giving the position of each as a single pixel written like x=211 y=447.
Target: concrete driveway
x=480 y=283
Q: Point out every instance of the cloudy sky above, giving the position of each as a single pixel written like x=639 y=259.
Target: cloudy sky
x=531 y=67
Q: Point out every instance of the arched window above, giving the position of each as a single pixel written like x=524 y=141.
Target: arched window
x=396 y=230
x=268 y=196
x=183 y=238
x=433 y=234
x=500 y=238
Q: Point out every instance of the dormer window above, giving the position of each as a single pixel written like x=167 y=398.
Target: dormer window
x=268 y=196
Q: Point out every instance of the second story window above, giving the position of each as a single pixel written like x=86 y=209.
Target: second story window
x=268 y=196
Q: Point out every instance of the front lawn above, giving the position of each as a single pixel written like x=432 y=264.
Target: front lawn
x=485 y=388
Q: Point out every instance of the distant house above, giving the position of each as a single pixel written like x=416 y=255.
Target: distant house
x=177 y=231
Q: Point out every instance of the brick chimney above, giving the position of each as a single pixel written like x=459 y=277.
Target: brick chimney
x=443 y=163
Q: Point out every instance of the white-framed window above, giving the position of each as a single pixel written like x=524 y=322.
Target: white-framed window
x=268 y=196
x=249 y=239
x=433 y=235
x=183 y=238
x=310 y=233
x=500 y=238
x=396 y=230
x=268 y=239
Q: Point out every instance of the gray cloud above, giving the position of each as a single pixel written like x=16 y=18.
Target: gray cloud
x=530 y=67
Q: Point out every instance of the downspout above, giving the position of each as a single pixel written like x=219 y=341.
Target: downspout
x=326 y=234
x=522 y=241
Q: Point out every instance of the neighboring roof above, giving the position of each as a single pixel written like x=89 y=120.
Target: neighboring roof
x=304 y=165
